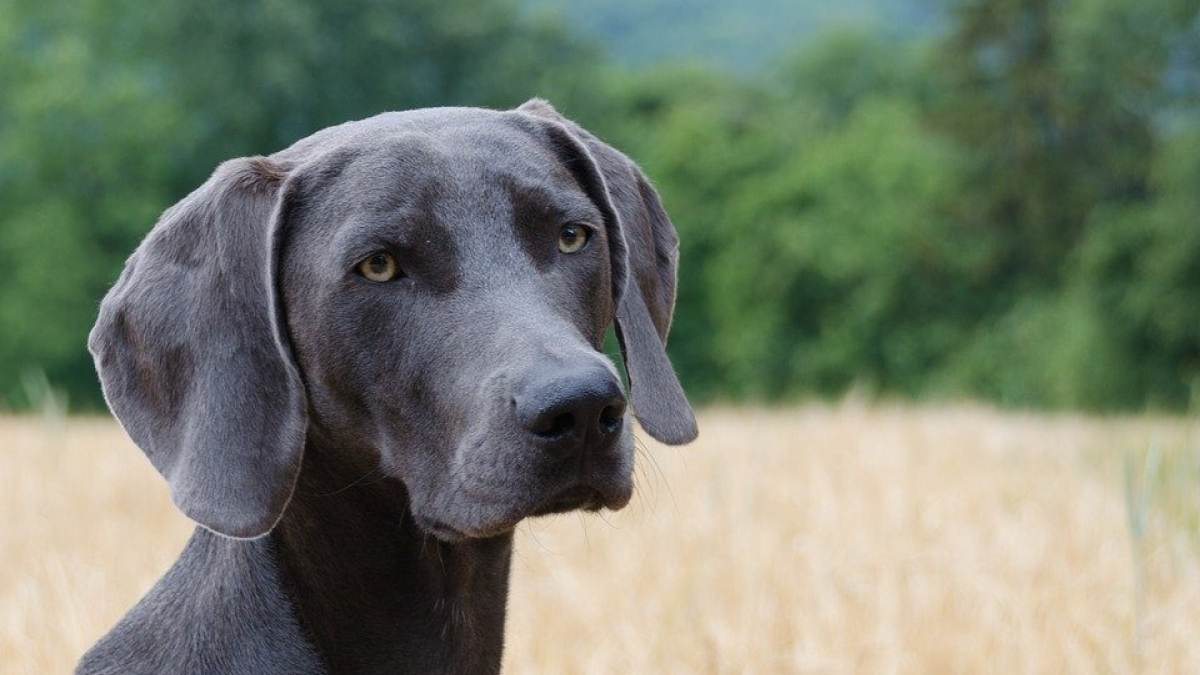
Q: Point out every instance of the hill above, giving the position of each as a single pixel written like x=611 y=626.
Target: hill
x=737 y=35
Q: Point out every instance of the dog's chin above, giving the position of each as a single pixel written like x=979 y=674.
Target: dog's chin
x=577 y=497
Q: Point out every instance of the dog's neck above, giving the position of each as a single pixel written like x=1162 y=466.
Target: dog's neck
x=377 y=595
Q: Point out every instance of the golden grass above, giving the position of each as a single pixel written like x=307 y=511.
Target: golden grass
x=848 y=539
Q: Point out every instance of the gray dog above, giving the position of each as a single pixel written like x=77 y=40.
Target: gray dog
x=360 y=362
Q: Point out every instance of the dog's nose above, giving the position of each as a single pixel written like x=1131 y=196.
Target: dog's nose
x=567 y=411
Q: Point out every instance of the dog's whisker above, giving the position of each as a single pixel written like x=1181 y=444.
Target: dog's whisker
x=361 y=480
x=608 y=522
x=587 y=540
x=536 y=540
x=645 y=451
x=650 y=464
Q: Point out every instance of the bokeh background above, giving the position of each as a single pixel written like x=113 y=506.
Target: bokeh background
x=939 y=307
x=997 y=199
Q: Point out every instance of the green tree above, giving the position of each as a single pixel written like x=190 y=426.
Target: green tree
x=1057 y=102
x=846 y=268
x=1066 y=111
x=1140 y=269
x=81 y=178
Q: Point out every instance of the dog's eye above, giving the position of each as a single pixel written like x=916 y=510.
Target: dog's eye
x=571 y=238
x=379 y=267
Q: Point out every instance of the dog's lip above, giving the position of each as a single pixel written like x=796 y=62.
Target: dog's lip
x=584 y=497
x=454 y=535
x=575 y=497
x=441 y=529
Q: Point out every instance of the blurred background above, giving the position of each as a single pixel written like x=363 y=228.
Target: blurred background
x=939 y=308
x=994 y=199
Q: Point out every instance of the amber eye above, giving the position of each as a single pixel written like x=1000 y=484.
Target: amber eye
x=379 y=267
x=571 y=238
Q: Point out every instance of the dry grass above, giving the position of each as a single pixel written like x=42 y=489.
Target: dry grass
x=818 y=540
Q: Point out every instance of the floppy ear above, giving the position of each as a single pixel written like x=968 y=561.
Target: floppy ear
x=193 y=358
x=644 y=250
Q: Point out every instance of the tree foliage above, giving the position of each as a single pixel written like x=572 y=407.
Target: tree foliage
x=1010 y=210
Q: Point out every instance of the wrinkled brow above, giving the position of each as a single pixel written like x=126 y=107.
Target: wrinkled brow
x=401 y=229
x=554 y=203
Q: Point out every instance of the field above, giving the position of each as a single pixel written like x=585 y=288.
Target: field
x=844 y=539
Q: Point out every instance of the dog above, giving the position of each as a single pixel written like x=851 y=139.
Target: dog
x=360 y=362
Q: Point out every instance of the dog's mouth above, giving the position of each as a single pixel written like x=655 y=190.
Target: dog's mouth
x=442 y=530
x=578 y=497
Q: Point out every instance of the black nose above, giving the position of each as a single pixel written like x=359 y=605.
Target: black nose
x=570 y=411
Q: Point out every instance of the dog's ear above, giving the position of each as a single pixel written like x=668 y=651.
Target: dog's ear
x=644 y=250
x=193 y=354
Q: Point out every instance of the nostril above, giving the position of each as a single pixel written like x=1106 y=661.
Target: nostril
x=560 y=425
x=610 y=418
x=553 y=425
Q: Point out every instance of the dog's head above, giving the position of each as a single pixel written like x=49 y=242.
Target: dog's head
x=429 y=290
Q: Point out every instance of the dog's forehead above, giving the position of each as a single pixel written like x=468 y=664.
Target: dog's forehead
x=435 y=140
x=448 y=157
